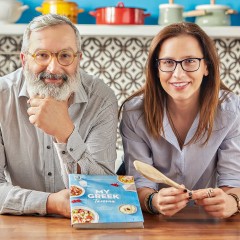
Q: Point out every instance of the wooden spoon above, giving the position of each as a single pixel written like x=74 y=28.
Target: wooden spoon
x=154 y=175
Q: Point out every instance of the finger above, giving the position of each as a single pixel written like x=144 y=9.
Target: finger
x=171 y=191
x=213 y=208
x=209 y=201
x=35 y=102
x=175 y=199
x=32 y=119
x=36 y=97
x=201 y=202
x=51 y=98
x=39 y=96
x=203 y=193
x=171 y=209
x=32 y=110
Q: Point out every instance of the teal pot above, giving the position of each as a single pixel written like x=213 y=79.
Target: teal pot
x=170 y=13
x=215 y=15
x=173 y=13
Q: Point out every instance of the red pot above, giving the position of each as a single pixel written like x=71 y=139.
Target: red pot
x=119 y=15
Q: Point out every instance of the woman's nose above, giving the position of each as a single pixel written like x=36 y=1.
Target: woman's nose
x=178 y=70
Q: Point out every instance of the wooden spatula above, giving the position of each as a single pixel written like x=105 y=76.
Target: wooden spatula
x=154 y=175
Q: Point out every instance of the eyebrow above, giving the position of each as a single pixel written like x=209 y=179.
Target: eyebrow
x=69 y=48
x=185 y=57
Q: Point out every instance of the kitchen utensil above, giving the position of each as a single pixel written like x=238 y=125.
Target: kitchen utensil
x=11 y=10
x=215 y=15
x=170 y=13
x=153 y=174
x=61 y=7
x=119 y=15
x=173 y=13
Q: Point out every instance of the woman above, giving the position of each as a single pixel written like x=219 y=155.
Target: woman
x=184 y=122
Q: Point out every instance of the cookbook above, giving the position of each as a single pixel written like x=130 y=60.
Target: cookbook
x=99 y=201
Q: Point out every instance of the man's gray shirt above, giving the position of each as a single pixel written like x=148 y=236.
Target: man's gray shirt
x=32 y=164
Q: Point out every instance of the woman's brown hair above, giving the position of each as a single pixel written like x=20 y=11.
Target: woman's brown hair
x=155 y=96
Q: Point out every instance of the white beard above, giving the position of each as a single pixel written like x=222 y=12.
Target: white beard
x=36 y=86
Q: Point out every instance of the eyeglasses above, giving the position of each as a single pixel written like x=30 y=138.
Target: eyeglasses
x=44 y=57
x=188 y=64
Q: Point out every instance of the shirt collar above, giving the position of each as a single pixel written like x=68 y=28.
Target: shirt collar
x=23 y=86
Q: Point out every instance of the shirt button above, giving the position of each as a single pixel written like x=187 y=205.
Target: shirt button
x=49 y=174
x=48 y=147
x=71 y=149
x=63 y=152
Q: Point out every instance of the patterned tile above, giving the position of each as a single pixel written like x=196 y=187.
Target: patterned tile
x=229 y=53
x=120 y=61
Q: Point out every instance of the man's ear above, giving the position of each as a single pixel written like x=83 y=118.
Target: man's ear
x=80 y=56
x=23 y=59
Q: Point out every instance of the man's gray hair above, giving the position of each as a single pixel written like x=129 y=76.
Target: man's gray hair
x=43 y=21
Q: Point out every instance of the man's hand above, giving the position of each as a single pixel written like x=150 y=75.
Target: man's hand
x=59 y=203
x=51 y=116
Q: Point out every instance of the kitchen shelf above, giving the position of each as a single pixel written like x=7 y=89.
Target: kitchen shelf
x=124 y=30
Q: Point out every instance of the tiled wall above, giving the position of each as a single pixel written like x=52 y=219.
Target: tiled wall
x=120 y=61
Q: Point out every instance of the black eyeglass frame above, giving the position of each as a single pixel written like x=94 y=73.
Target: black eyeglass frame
x=178 y=62
x=33 y=55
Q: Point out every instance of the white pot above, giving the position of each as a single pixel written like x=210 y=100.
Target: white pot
x=11 y=10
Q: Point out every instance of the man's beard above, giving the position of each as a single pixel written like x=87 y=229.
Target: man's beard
x=37 y=86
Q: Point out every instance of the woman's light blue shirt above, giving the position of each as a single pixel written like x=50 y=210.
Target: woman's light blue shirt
x=215 y=164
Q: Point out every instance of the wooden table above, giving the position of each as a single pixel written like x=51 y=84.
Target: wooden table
x=191 y=223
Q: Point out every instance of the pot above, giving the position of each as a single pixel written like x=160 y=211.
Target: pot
x=61 y=7
x=11 y=11
x=215 y=15
x=119 y=15
x=173 y=13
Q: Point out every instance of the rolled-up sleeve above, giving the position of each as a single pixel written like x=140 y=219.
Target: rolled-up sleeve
x=95 y=155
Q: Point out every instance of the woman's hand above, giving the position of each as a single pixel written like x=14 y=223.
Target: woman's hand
x=215 y=202
x=169 y=201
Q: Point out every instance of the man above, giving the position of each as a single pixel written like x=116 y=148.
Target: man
x=54 y=120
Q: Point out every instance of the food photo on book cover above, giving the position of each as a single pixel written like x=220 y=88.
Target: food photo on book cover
x=104 y=201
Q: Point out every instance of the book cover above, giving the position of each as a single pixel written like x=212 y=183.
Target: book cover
x=104 y=202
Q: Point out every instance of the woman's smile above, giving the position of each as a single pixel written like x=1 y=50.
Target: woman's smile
x=180 y=85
